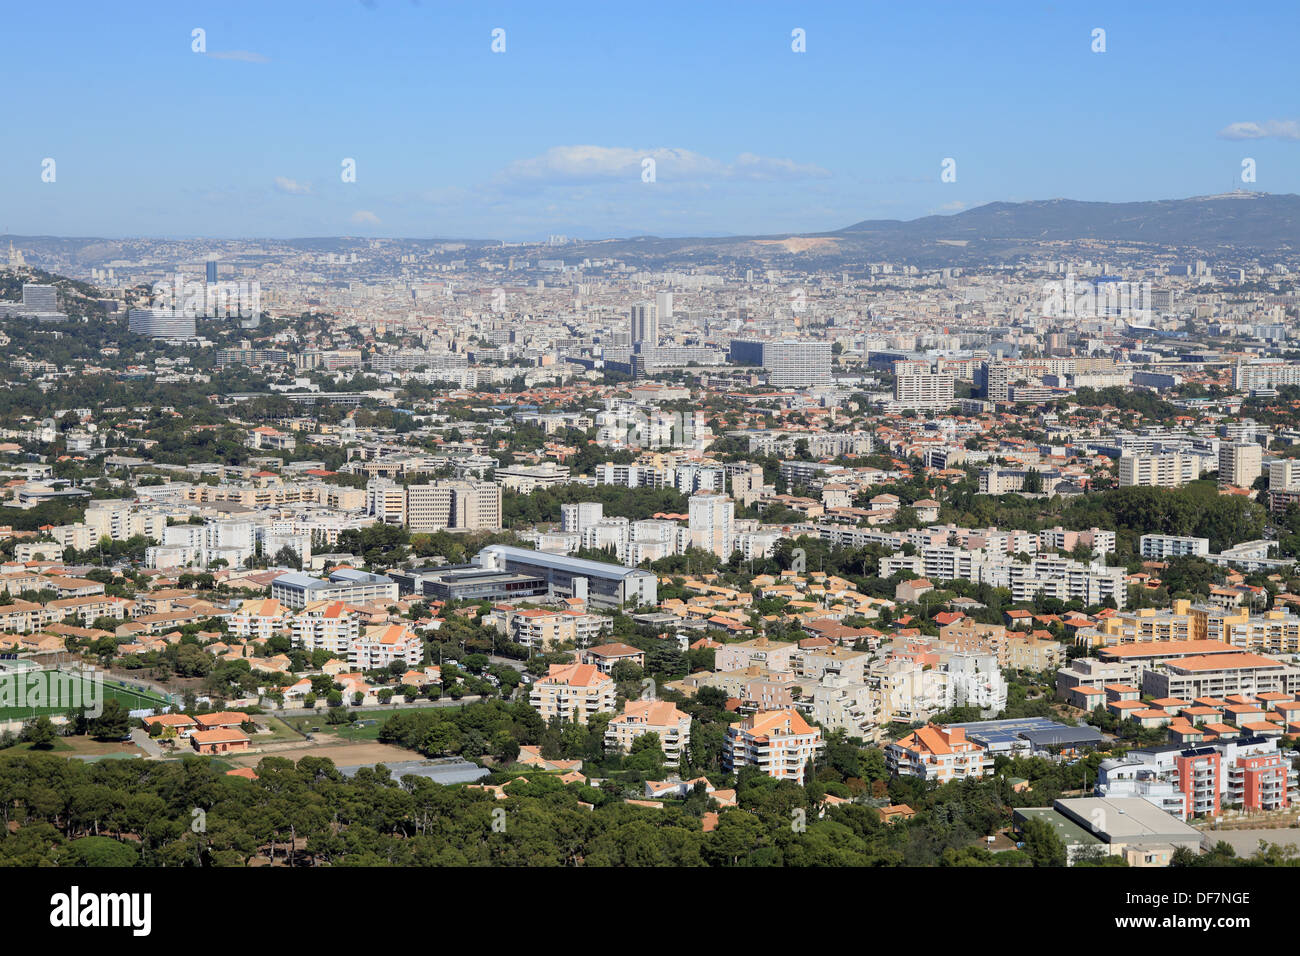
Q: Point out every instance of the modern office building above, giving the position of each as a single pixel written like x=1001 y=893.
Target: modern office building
x=456 y=505
x=792 y=363
x=162 y=323
x=645 y=325
x=664 y=306
x=40 y=298
x=471 y=582
x=297 y=590
x=211 y=272
x=599 y=583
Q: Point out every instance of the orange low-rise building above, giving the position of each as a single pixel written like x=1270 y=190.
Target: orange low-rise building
x=221 y=741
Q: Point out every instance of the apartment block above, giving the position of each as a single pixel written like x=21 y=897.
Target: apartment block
x=326 y=626
x=573 y=692
x=1161 y=546
x=780 y=743
x=1171 y=470
x=383 y=645
x=1240 y=463
x=939 y=754
x=640 y=717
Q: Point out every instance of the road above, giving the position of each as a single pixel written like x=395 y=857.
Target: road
x=146 y=743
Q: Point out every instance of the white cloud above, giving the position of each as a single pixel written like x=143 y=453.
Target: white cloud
x=1269 y=129
x=292 y=187
x=363 y=217
x=578 y=165
x=243 y=56
x=749 y=166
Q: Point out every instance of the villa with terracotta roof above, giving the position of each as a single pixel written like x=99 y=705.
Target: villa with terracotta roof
x=183 y=724
x=221 y=719
x=605 y=656
x=220 y=741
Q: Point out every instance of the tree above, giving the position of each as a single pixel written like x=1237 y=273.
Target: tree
x=288 y=557
x=113 y=723
x=40 y=733
x=1042 y=844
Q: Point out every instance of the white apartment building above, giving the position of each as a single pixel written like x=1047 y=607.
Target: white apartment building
x=120 y=520
x=459 y=505
x=857 y=708
x=1284 y=474
x=1051 y=575
x=579 y=515
x=1098 y=540
x=917 y=385
x=1171 y=470
x=1249 y=376
x=1240 y=463
x=326 y=626
x=386 y=500
x=1161 y=546
x=712 y=524
x=383 y=645
x=440 y=505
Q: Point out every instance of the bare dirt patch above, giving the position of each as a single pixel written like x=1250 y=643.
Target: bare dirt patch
x=800 y=243
x=343 y=754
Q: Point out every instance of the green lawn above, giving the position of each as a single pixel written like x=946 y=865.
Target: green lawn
x=374 y=720
x=57 y=746
x=130 y=699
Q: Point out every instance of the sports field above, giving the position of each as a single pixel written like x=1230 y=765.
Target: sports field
x=32 y=693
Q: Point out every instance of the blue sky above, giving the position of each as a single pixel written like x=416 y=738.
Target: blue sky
x=450 y=139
